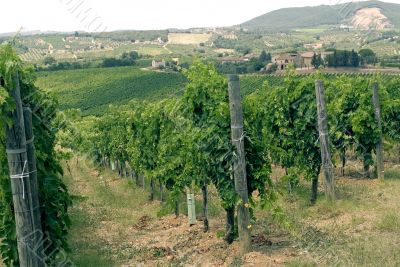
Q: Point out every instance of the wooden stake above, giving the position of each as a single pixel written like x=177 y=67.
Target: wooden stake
x=176 y=208
x=379 y=146
x=136 y=177
x=314 y=189
x=205 y=207
x=239 y=166
x=152 y=189
x=20 y=185
x=191 y=203
x=230 y=224
x=161 y=190
x=35 y=209
x=324 y=140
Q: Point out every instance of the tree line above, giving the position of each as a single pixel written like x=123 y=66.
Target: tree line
x=345 y=58
x=126 y=59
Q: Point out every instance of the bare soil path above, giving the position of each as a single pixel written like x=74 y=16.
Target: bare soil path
x=114 y=224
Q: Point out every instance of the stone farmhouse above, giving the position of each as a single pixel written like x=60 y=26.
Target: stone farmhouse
x=299 y=60
x=158 y=64
x=283 y=60
x=306 y=59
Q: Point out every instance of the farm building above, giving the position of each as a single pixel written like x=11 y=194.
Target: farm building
x=283 y=60
x=306 y=59
x=158 y=64
x=300 y=60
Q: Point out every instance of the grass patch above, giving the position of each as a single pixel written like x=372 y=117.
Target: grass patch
x=92 y=258
x=357 y=220
x=152 y=50
x=392 y=174
x=236 y=262
x=390 y=222
x=104 y=208
x=371 y=250
x=301 y=263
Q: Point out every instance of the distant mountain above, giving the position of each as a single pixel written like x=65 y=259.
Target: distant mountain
x=364 y=15
x=28 y=33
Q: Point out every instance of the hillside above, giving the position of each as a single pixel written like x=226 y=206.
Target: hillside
x=91 y=90
x=303 y=17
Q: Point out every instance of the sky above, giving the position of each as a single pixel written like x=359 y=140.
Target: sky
x=100 y=15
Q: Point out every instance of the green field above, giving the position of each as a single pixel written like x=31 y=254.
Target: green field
x=154 y=50
x=92 y=90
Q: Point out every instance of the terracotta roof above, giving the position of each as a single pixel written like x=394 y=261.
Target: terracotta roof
x=285 y=56
x=307 y=54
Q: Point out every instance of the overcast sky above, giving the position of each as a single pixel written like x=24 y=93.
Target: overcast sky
x=92 y=15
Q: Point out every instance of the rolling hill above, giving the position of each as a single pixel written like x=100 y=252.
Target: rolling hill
x=92 y=90
x=307 y=17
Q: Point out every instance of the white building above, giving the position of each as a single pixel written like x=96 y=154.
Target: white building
x=158 y=63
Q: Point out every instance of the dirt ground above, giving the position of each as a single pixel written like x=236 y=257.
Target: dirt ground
x=116 y=225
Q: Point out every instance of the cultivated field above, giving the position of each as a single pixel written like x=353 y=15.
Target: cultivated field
x=188 y=38
x=92 y=90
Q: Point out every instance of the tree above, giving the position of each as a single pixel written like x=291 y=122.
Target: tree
x=133 y=55
x=320 y=60
x=317 y=61
x=49 y=61
x=127 y=59
x=264 y=57
x=243 y=50
x=256 y=66
x=334 y=59
x=345 y=58
x=367 y=56
x=354 y=59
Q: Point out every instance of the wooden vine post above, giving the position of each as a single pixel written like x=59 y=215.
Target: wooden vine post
x=379 y=146
x=205 y=207
x=161 y=190
x=20 y=183
x=152 y=189
x=176 y=208
x=239 y=168
x=324 y=140
x=35 y=210
x=191 y=203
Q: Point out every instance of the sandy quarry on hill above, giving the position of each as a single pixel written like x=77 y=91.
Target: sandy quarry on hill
x=368 y=18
